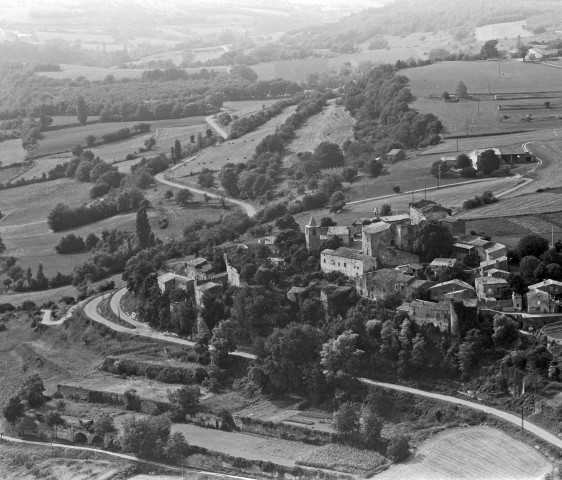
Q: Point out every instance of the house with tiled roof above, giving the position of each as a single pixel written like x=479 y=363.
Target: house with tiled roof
x=545 y=297
x=379 y=284
x=452 y=290
x=490 y=287
x=424 y=312
x=425 y=210
x=317 y=237
x=438 y=265
x=348 y=261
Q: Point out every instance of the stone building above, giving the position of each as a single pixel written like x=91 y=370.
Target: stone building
x=347 y=261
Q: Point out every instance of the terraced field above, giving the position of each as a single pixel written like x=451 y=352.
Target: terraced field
x=471 y=454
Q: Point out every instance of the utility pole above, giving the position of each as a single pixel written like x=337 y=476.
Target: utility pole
x=522 y=427
x=499 y=63
x=439 y=177
x=478 y=100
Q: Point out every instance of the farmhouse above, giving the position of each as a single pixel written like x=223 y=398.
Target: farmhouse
x=537 y=53
x=515 y=154
x=453 y=290
x=395 y=155
x=347 y=261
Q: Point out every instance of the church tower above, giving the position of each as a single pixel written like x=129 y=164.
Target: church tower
x=312 y=235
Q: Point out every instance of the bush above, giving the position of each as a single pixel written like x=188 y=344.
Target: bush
x=398 y=449
x=71 y=244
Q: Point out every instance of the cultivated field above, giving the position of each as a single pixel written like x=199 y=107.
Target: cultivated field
x=471 y=453
x=333 y=124
x=11 y=152
x=342 y=458
x=7 y=174
x=283 y=452
x=232 y=151
x=43 y=165
x=63 y=140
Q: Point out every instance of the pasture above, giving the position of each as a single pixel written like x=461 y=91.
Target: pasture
x=243 y=108
x=231 y=151
x=472 y=454
x=43 y=165
x=11 y=151
x=333 y=124
x=59 y=141
x=502 y=30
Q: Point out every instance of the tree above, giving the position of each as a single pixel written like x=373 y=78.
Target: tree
x=32 y=391
x=327 y=222
x=2 y=246
x=287 y=222
x=91 y=140
x=183 y=197
x=346 y=419
x=446 y=96
x=81 y=111
x=386 y=210
x=337 y=201
x=14 y=409
x=54 y=419
x=223 y=342
x=184 y=400
x=328 y=155
x=176 y=446
x=433 y=240
x=229 y=181
x=527 y=267
x=341 y=354
x=177 y=151
x=461 y=90
x=490 y=49
x=488 y=162
x=145 y=437
x=532 y=244
x=396 y=188
x=41 y=280
x=439 y=168
x=371 y=427
x=103 y=424
x=149 y=143
x=349 y=174
x=169 y=194
x=374 y=168
x=145 y=237
x=505 y=330
x=463 y=161
x=398 y=449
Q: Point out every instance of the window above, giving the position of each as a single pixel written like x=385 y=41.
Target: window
x=324 y=260
x=345 y=264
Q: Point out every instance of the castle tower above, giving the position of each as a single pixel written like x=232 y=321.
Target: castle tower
x=312 y=234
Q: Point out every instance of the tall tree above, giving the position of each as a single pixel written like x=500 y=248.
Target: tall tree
x=2 y=246
x=177 y=151
x=145 y=236
x=81 y=111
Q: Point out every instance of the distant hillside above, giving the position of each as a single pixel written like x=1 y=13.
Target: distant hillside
x=403 y=17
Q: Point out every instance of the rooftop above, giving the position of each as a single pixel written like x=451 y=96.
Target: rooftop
x=394 y=151
x=455 y=283
x=312 y=222
x=491 y=281
x=196 y=262
x=344 y=252
x=376 y=227
x=166 y=277
x=443 y=262
x=512 y=150
x=343 y=230
x=494 y=247
x=546 y=283
x=441 y=306
x=207 y=286
x=396 y=218
x=386 y=275
x=296 y=290
x=464 y=246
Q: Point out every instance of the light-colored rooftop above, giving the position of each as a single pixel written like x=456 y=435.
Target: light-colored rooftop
x=376 y=227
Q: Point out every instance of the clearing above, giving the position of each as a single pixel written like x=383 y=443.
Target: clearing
x=471 y=453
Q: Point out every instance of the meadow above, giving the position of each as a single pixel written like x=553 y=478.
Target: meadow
x=58 y=141
x=243 y=108
x=471 y=454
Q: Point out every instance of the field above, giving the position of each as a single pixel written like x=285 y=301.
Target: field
x=502 y=30
x=11 y=152
x=343 y=458
x=43 y=165
x=232 y=151
x=283 y=452
x=333 y=124
x=165 y=138
x=7 y=174
x=27 y=236
x=244 y=108
x=57 y=141
x=471 y=453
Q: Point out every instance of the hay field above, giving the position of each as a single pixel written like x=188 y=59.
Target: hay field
x=232 y=151
x=11 y=151
x=471 y=454
x=57 y=141
x=283 y=452
x=334 y=124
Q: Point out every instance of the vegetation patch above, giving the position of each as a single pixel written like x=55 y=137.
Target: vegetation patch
x=343 y=458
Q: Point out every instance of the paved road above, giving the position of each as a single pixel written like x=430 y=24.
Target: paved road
x=211 y=121
x=250 y=210
x=138 y=328
x=122 y=456
x=514 y=419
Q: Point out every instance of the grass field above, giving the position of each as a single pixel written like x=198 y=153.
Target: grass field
x=473 y=454
x=333 y=124
x=43 y=165
x=57 y=141
x=7 y=174
x=244 y=108
x=502 y=30
x=283 y=452
x=11 y=151
x=232 y=151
